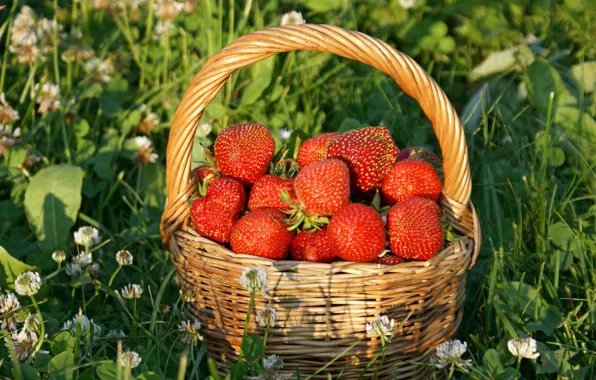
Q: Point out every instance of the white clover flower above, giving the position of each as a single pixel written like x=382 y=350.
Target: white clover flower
x=406 y=4
x=273 y=362
x=88 y=327
x=7 y=113
x=382 y=327
x=131 y=291
x=102 y=70
x=93 y=269
x=267 y=317
x=450 y=353
x=47 y=97
x=292 y=18
x=124 y=257
x=284 y=134
x=204 y=129
x=32 y=323
x=190 y=332
x=73 y=269
x=187 y=295
x=129 y=359
x=167 y=9
x=9 y=303
x=523 y=348
x=27 y=284
x=149 y=121
x=23 y=343
x=25 y=54
x=163 y=29
x=145 y=150
x=189 y=6
x=84 y=259
x=87 y=236
x=58 y=256
x=254 y=279
x=115 y=334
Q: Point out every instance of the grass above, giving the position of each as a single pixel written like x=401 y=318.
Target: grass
x=521 y=75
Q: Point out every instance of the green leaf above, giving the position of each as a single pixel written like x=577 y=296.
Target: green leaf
x=252 y=347
x=319 y=6
x=563 y=237
x=112 y=98
x=556 y=157
x=348 y=124
x=29 y=373
x=502 y=61
x=565 y=260
x=63 y=342
x=132 y=121
x=81 y=128
x=585 y=74
x=52 y=202
x=262 y=73
x=10 y=269
x=154 y=185
x=41 y=362
x=492 y=361
x=476 y=107
x=149 y=376
x=107 y=371
x=92 y=91
x=541 y=80
x=61 y=366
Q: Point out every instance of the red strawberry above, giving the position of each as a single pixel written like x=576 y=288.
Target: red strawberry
x=356 y=233
x=388 y=259
x=369 y=152
x=323 y=187
x=415 y=230
x=262 y=233
x=243 y=151
x=266 y=193
x=416 y=151
x=202 y=171
x=312 y=246
x=212 y=219
x=314 y=149
x=409 y=178
x=228 y=192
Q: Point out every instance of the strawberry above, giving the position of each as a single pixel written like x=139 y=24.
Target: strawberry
x=212 y=219
x=418 y=152
x=228 y=192
x=369 y=152
x=203 y=171
x=411 y=177
x=323 y=187
x=312 y=246
x=243 y=151
x=356 y=233
x=415 y=231
x=314 y=149
x=262 y=233
x=266 y=192
x=388 y=259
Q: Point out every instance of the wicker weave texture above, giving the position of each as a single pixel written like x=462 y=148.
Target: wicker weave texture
x=324 y=308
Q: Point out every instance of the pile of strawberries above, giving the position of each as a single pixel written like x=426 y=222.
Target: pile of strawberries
x=347 y=196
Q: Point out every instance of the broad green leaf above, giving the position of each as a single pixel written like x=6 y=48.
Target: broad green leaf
x=475 y=108
x=576 y=122
x=81 y=128
x=154 y=185
x=585 y=74
x=61 y=366
x=10 y=269
x=52 y=202
x=252 y=347
x=502 y=61
x=111 y=99
x=565 y=260
x=256 y=87
x=149 y=376
x=29 y=373
x=563 y=237
x=107 y=371
x=552 y=361
x=492 y=361
x=92 y=91
x=41 y=362
x=348 y=124
x=556 y=157
x=322 y=6
x=61 y=343
x=541 y=80
x=132 y=120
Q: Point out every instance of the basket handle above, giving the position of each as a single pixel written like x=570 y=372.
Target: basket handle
x=259 y=45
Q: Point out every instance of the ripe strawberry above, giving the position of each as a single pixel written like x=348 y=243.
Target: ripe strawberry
x=266 y=193
x=356 y=233
x=262 y=233
x=314 y=149
x=418 y=152
x=369 y=152
x=212 y=219
x=415 y=230
x=243 y=151
x=228 y=192
x=323 y=187
x=409 y=178
x=312 y=246
x=203 y=171
x=388 y=259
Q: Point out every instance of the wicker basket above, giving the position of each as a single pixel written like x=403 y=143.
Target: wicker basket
x=323 y=308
